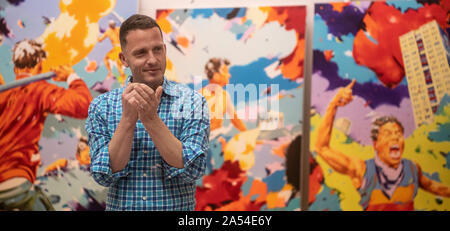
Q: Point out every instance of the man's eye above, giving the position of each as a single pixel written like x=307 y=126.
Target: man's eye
x=140 y=54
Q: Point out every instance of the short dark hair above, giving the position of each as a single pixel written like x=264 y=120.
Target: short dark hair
x=134 y=22
x=379 y=122
x=213 y=65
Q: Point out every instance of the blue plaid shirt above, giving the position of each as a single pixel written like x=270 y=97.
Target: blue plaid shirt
x=148 y=182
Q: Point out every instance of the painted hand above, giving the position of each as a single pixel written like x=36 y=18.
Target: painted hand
x=345 y=95
x=62 y=72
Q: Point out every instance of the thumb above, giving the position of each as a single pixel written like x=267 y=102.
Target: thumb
x=158 y=93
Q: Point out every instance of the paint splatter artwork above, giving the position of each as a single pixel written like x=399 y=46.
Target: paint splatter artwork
x=248 y=64
x=43 y=137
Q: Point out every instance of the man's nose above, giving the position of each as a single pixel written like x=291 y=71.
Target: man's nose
x=151 y=58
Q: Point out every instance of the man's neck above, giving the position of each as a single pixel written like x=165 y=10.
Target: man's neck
x=26 y=72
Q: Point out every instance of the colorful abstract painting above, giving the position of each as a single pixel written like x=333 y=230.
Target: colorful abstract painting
x=384 y=60
x=248 y=64
x=43 y=137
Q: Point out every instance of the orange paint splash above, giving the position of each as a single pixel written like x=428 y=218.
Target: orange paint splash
x=183 y=41
x=329 y=54
x=339 y=6
x=72 y=36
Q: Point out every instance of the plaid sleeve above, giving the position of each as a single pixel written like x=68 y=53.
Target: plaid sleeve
x=195 y=141
x=98 y=139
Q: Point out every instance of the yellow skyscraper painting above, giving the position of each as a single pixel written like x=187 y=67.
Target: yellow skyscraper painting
x=425 y=54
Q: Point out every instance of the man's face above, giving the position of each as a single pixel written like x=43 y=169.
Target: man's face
x=222 y=77
x=145 y=55
x=390 y=144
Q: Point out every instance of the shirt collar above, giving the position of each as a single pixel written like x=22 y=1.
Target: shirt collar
x=168 y=87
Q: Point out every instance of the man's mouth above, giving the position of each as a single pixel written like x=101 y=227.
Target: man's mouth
x=394 y=151
x=151 y=69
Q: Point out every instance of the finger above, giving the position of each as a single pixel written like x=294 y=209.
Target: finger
x=158 y=93
x=130 y=100
x=350 y=86
x=147 y=89
x=150 y=91
x=133 y=102
x=129 y=88
x=142 y=102
x=348 y=92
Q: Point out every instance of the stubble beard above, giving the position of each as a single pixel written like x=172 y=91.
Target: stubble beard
x=154 y=83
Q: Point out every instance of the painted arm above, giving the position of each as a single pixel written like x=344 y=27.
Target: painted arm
x=73 y=101
x=338 y=161
x=103 y=36
x=432 y=186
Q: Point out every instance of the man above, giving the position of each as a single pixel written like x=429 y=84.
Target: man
x=23 y=111
x=148 y=140
x=113 y=34
x=386 y=182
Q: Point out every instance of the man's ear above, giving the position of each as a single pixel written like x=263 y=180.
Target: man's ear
x=123 y=59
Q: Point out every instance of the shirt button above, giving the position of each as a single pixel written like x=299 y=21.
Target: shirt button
x=144 y=175
x=144 y=198
x=145 y=151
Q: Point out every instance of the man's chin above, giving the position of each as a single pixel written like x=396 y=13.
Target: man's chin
x=151 y=77
x=154 y=81
x=394 y=162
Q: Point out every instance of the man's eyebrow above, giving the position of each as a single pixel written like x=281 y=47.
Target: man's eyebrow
x=138 y=51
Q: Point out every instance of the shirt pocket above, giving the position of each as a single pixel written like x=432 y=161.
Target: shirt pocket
x=143 y=146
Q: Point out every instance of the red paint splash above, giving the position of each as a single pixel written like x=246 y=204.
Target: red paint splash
x=293 y=18
x=385 y=24
x=315 y=179
x=221 y=187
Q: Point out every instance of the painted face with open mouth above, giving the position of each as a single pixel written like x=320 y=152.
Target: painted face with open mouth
x=390 y=144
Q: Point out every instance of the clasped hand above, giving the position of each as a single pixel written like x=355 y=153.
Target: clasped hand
x=139 y=101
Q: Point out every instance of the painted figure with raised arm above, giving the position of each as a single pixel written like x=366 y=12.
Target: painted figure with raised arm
x=386 y=182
